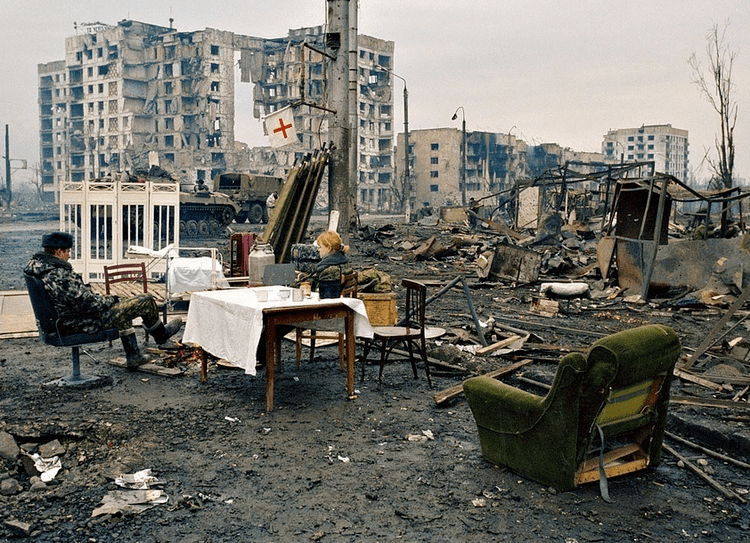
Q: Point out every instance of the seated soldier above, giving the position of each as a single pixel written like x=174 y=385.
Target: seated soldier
x=80 y=309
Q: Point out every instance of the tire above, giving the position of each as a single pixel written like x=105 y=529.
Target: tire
x=192 y=229
x=203 y=228
x=240 y=218
x=227 y=214
x=183 y=227
x=214 y=227
x=256 y=213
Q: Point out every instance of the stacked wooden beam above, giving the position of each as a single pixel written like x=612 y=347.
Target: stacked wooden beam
x=291 y=216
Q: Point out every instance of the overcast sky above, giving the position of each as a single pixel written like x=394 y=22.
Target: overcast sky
x=549 y=70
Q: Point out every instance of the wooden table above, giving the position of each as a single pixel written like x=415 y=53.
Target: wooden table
x=276 y=316
x=228 y=324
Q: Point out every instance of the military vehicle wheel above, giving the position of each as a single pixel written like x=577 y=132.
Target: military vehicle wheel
x=203 y=228
x=214 y=227
x=256 y=213
x=227 y=215
x=183 y=227
x=192 y=229
x=240 y=218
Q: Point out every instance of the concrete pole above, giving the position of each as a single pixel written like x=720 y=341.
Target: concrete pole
x=7 y=167
x=407 y=178
x=341 y=41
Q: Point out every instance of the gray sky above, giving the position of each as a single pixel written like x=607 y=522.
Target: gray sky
x=553 y=71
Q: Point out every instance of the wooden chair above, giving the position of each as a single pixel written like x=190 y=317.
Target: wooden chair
x=411 y=334
x=348 y=290
x=49 y=332
x=133 y=273
x=603 y=416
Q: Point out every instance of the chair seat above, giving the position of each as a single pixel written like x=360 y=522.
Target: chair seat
x=410 y=333
x=73 y=340
x=391 y=332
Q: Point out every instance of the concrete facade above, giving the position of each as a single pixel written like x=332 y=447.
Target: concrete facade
x=292 y=70
x=133 y=94
x=494 y=162
x=667 y=147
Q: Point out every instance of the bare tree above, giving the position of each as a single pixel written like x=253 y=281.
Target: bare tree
x=716 y=85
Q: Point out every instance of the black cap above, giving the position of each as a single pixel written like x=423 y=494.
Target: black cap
x=57 y=240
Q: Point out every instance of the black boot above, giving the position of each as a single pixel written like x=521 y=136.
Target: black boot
x=134 y=357
x=161 y=332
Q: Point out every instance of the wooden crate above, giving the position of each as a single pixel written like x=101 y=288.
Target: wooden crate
x=381 y=307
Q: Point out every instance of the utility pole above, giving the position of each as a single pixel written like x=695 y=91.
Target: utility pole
x=7 y=167
x=463 y=152
x=407 y=178
x=341 y=39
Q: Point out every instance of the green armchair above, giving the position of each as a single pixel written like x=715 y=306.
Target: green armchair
x=603 y=415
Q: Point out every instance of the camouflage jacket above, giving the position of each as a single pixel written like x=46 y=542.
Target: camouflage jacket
x=331 y=267
x=79 y=309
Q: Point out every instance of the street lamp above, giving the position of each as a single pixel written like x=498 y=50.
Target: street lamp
x=463 y=152
x=407 y=179
x=510 y=157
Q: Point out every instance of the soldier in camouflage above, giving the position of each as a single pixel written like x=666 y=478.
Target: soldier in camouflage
x=79 y=309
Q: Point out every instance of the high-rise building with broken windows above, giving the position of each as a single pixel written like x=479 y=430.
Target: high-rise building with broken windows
x=667 y=147
x=134 y=94
x=293 y=71
x=494 y=162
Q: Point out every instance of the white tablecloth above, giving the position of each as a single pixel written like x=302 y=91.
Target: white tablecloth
x=195 y=273
x=228 y=323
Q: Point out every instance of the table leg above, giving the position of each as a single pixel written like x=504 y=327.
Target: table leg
x=204 y=364
x=350 y=352
x=271 y=346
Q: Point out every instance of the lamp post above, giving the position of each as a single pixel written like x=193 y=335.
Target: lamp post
x=407 y=178
x=463 y=152
x=510 y=156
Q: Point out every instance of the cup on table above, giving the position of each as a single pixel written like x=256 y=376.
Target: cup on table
x=261 y=295
x=306 y=289
x=297 y=295
x=284 y=294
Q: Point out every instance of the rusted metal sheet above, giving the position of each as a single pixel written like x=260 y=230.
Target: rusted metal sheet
x=637 y=211
x=631 y=262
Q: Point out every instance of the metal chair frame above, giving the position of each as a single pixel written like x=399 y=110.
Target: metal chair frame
x=49 y=331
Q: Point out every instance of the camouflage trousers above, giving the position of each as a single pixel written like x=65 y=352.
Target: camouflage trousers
x=121 y=314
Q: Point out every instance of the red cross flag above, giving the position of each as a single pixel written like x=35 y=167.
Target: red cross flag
x=280 y=127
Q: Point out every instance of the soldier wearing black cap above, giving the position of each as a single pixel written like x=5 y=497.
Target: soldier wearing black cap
x=80 y=309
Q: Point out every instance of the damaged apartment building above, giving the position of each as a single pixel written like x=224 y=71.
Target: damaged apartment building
x=134 y=94
x=293 y=71
x=493 y=164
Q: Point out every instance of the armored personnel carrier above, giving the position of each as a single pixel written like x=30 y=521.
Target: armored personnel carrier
x=204 y=213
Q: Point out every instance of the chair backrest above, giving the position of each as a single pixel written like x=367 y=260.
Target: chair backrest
x=41 y=303
x=349 y=285
x=130 y=272
x=416 y=294
x=628 y=378
x=278 y=274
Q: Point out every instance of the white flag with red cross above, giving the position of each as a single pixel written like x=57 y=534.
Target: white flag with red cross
x=280 y=127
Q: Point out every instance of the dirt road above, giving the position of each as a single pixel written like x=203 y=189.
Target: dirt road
x=389 y=465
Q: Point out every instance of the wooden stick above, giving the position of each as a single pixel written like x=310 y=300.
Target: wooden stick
x=452 y=392
x=709 y=452
x=703 y=475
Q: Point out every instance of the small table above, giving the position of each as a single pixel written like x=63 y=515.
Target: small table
x=228 y=324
